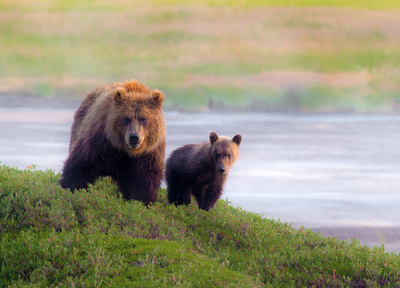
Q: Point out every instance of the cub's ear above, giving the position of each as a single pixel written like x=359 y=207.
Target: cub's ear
x=120 y=95
x=213 y=137
x=237 y=139
x=156 y=99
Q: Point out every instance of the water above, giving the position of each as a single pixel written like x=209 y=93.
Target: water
x=312 y=170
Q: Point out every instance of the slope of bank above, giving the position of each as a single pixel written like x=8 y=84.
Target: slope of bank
x=53 y=237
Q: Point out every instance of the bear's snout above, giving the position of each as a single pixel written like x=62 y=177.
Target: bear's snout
x=221 y=170
x=134 y=140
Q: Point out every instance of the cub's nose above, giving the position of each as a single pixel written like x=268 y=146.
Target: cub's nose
x=221 y=170
x=133 y=138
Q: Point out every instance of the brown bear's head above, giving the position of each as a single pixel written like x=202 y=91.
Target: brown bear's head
x=224 y=151
x=136 y=122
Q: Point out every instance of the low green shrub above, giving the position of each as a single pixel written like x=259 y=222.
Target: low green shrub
x=52 y=237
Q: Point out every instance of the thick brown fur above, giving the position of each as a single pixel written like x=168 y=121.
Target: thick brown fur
x=201 y=170
x=118 y=131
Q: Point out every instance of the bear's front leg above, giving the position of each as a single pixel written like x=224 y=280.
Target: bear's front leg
x=139 y=185
x=139 y=188
x=210 y=198
x=178 y=192
x=76 y=175
x=198 y=193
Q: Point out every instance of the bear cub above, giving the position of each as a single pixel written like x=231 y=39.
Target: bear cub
x=118 y=131
x=201 y=170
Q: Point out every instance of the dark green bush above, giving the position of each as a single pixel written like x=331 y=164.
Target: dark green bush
x=52 y=237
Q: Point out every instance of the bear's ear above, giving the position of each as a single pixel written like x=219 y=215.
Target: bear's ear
x=213 y=137
x=237 y=139
x=156 y=99
x=120 y=95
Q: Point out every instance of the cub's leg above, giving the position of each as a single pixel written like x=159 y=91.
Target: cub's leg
x=179 y=192
x=210 y=198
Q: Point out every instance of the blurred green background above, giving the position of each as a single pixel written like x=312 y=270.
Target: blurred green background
x=303 y=55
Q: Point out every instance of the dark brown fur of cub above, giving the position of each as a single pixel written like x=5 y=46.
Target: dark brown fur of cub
x=201 y=170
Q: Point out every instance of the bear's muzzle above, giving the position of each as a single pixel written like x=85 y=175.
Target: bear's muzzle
x=134 y=141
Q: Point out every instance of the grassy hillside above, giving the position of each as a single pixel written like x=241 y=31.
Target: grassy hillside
x=303 y=54
x=51 y=237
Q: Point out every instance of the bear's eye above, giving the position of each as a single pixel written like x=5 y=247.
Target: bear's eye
x=127 y=121
x=229 y=155
x=217 y=155
x=142 y=120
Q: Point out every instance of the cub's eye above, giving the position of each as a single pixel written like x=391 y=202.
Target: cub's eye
x=127 y=121
x=217 y=155
x=142 y=120
x=229 y=155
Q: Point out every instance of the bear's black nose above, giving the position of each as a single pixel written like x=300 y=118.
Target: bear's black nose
x=133 y=138
x=221 y=170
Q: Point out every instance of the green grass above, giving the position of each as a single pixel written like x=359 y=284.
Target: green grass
x=51 y=237
x=66 y=48
x=76 y=258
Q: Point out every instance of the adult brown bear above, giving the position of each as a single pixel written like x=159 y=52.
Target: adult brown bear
x=118 y=131
x=201 y=170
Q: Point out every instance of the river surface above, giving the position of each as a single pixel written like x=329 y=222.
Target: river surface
x=336 y=174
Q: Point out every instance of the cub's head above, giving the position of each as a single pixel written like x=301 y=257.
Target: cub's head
x=224 y=151
x=136 y=123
